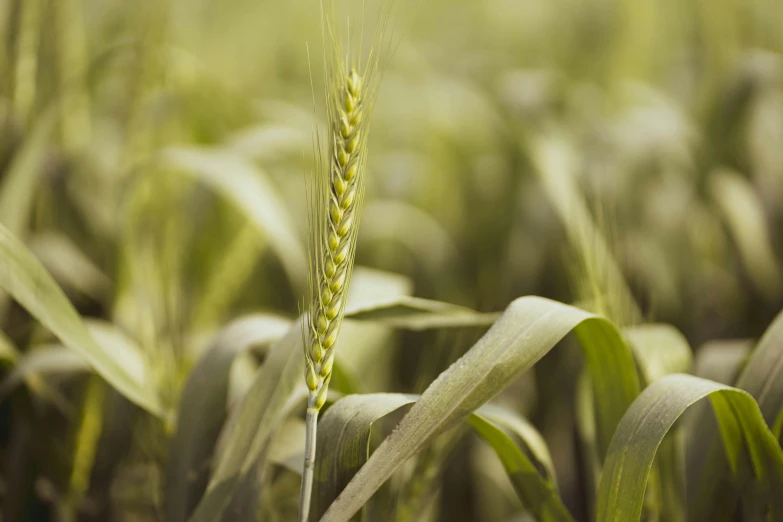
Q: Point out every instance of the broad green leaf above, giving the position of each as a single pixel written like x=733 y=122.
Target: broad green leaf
x=23 y=277
x=415 y=313
x=202 y=410
x=762 y=377
x=526 y=331
x=744 y=215
x=650 y=417
x=247 y=187
x=259 y=413
x=719 y=361
x=346 y=429
x=660 y=350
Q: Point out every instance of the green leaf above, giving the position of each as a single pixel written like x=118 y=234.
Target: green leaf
x=69 y=265
x=537 y=491
x=744 y=215
x=202 y=410
x=259 y=413
x=280 y=381
x=415 y=313
x=762 y=378
x=644 y=426
x=660 y=349
x=526 y=331
x=23 y=277
x=346 y=427
x=247 y=187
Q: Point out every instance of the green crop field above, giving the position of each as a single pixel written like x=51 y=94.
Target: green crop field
x=391 y=260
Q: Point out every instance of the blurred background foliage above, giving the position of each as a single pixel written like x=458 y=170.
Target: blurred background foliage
x=153 y=157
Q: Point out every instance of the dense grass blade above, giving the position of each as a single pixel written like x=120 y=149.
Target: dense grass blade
x=346 y=427
x=746 y=440
x=527 y=330
x=202 y=411
x=23 y=277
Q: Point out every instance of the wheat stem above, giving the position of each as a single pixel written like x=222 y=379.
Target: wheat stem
x=305 y=494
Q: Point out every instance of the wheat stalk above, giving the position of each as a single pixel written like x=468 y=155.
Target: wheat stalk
x=335 y=207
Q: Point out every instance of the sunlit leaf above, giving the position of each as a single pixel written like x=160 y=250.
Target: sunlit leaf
x=526 y=331
x=346 y=429
x=650 y=417
x=711 y=494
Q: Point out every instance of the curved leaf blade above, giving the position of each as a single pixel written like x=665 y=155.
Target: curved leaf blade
x=248 y=188
x=23 y=277
x=762 y=378
x=526 y=331
x=262 y=409
x=346 y=427
x=644 y=426
x=202 y=410
x=415 y=313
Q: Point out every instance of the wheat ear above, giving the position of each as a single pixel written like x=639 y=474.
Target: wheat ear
x=337 y=204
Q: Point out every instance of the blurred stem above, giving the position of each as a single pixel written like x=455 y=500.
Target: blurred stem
x=234 y=268
x=73 y=64
x=306 y=491
x=26 y=67
x=89 y=430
